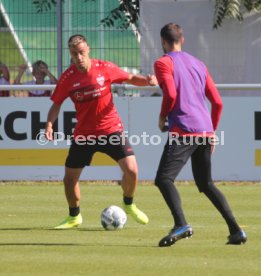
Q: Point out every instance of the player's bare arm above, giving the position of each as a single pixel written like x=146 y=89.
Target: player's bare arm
x=52 y=116
x=140 y=80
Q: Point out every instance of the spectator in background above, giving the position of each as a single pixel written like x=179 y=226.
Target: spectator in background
x=40 y=71
x=4 y=79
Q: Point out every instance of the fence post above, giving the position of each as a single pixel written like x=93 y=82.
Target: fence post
x=59 y=37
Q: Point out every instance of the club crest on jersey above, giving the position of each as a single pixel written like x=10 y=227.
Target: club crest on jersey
x=100 y=80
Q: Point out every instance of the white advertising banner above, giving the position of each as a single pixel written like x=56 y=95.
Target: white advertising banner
x=238 y=154
x=26 y=155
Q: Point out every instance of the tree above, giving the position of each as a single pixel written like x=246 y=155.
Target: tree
x=233 y=9
x=127 y=12
x=122 y=17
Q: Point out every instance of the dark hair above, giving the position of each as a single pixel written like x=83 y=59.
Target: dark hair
x=75 y=40
x=171 y=33
x=38 y=63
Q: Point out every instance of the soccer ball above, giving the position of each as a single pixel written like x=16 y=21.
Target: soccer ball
x=113 y=218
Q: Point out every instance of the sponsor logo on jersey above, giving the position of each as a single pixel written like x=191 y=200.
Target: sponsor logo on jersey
x=82 y=95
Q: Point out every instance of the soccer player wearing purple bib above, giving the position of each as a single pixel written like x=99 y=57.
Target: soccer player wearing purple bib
x=186 y=84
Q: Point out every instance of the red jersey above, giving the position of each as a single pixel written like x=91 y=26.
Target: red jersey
x=92 y=97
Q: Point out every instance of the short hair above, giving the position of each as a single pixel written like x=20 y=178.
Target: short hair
x=171 y=33
x=76 y=39
x=38 y=63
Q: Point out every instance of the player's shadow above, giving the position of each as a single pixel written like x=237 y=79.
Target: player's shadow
x=94 y=229
x=90 y=229
x=22 y=228
x=38 y=244
x=3 y=244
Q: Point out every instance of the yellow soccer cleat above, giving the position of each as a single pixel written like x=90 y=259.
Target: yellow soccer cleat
x=70 y=222
x=136 y=214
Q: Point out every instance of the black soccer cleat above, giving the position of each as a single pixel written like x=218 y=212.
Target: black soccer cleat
x=238 y=238
x=176 y=234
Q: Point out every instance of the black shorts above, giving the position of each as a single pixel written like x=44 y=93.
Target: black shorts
x=115 y=145
x=176 y=155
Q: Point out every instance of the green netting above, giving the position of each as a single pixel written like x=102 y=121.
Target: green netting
x=35 y=32
x=38 y=35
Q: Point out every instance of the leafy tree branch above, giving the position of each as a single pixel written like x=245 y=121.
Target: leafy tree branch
x=127 y=13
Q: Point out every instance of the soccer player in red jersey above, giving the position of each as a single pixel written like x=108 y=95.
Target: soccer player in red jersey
x=88 y=83
x=186 y=84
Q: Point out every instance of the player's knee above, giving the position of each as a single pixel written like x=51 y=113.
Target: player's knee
x=204 y=187
x=161 y=181
x=68 y=180
x=156 y=182
x=132 y=172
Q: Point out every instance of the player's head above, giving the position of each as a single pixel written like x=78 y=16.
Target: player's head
x=171 y=37
x=79 y=51
x=39 y=69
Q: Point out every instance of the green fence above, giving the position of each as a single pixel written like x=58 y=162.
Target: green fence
x=27 y=36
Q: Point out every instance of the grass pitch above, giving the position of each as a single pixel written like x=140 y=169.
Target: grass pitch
x=29 y=245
